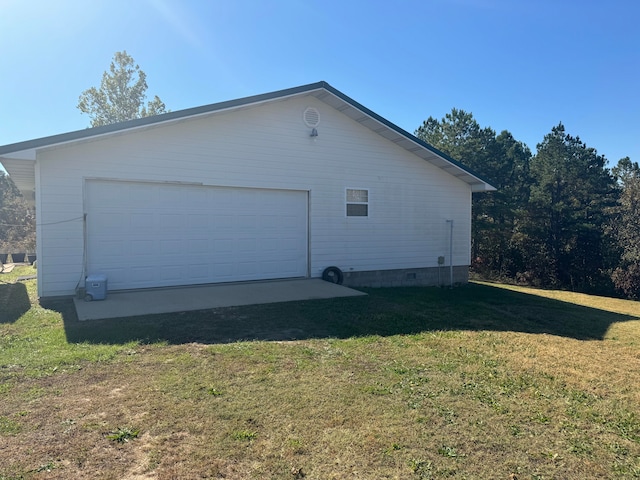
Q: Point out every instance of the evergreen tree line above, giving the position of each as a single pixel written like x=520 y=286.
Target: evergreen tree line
x=17 y=220
x=560 y=218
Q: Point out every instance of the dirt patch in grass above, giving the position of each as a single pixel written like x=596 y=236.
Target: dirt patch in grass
x=396 y=398
x=421 y=407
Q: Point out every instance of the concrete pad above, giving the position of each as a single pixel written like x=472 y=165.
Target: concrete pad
x=202 y=297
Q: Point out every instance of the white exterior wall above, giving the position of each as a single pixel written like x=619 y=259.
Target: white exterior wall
x=267 y=146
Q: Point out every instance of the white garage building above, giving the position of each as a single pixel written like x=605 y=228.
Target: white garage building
x=279 y=185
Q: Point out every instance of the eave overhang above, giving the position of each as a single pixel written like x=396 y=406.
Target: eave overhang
x=19 y=158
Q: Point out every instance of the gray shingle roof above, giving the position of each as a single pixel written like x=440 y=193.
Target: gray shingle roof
x=18 y=158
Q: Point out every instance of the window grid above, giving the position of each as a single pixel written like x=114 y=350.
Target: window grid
x=357 y=202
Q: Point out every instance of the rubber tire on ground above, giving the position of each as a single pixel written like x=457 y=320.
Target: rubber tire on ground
x=333 y=275
x=88 y=297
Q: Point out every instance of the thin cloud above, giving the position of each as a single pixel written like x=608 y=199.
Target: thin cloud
x=178 y=21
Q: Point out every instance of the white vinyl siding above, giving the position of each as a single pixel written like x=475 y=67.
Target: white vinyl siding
x=267 y=147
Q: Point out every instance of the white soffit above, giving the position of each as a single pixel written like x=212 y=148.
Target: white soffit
x=22 y=173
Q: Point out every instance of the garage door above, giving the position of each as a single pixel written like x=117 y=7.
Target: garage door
x=150 y=235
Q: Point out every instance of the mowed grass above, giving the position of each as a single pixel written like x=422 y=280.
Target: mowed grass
x=480 y=382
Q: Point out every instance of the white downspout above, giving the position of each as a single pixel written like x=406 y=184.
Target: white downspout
x=450 y=222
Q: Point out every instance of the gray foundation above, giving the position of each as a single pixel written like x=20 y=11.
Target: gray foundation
x=407 y=277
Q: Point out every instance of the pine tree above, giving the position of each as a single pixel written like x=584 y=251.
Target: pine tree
x=502 y=160
x=570 y=204
x=626 y=228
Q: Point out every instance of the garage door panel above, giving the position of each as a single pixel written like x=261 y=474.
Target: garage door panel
x=246 y=246
x=171 y=196
x=199 y=246
x=142 y=247
x=270 y=245
x=172 y=273
x=170 y=247
x=219 y=198
x=222 y=222
x=198 y=222
x=113 y=220
x=198 y=270
x=137 y=198
x=222 y=270
x=273 y=267
x=223 y=246
x=171 y=221
x=113 y=248
x=246 y=223
x=142 y=274
x=115 y=275
x=145 y=235
x=140 y=221
x=250 y=271
x=290 y=244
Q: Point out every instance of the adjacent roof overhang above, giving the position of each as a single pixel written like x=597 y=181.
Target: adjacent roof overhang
x=22 y=172
x=19 y=158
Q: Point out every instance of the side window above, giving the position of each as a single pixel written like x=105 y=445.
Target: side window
x=357 y=202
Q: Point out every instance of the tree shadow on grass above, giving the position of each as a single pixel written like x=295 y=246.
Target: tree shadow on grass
x=384 y=312
x=14 y=301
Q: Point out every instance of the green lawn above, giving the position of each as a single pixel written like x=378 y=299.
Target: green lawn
x=482 y=381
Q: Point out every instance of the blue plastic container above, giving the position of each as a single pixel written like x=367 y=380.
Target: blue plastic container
x=95 y=287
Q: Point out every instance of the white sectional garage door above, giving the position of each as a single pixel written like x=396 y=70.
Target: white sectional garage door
x=151 y=234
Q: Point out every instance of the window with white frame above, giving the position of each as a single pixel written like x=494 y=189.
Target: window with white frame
x=357 y=202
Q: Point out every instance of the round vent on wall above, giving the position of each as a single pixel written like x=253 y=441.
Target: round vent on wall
x=311 y=117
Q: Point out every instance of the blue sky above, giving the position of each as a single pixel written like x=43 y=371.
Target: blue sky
x=517 y=65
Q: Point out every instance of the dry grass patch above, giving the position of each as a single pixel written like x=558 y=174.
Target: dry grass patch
x=374 y=388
